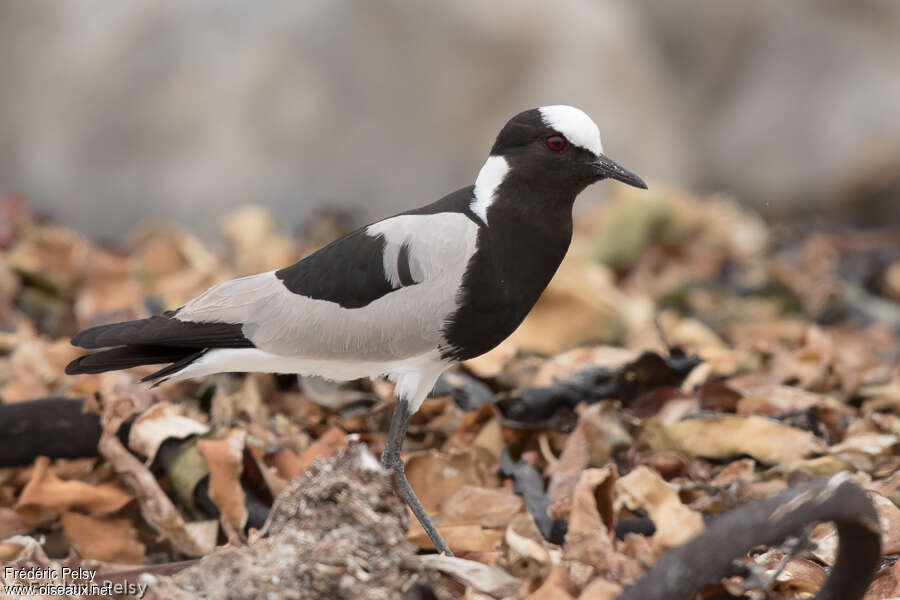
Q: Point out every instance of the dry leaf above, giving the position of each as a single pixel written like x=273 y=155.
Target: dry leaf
x=490 y=438
x=256 y=243
x=332 y=441
x=776 y=400
x=597 y=435
x=675 y=523
x=600 y=589
x=800 y=576
x=225 y=460
x=738 y=470
x=492 y=363
x=46 y=490
x=109 y=540
x=589 y=539
x=555 y=587
x=490 y=507
x=578 y=307
x=824 y=537
x=886 y=584
x=109 y=300
x=889 y=519
x=873 y=444
x=435 y=476
x=490 y=580
x=159 y=423
x=11 y=523
x=728 y=436
x=524 y=541
x=463 y=538
x=287 y=464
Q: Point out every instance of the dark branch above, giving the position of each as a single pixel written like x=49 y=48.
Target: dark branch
x=709 y=556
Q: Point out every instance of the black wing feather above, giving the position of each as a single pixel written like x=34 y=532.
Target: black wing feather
x=164 y=331
x=349 y=271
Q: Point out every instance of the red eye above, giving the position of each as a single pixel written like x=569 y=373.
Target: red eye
x=557 y=143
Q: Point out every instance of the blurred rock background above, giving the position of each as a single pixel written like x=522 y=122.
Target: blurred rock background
x=114 y=112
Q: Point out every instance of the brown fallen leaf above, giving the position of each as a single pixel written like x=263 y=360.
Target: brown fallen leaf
x=24 y=551
x=332 y=441
x=109 y=540
x=872 y=444
x=11 y=523
x=492 y=363
x=777 y=400
x=800 y=576
x=436 y=476
x=728 y=436
x=578 y=307
x=589 y=539
x=886 y=584
x=108 y=300
x=526 y=551
x=287 y=464
x=490 y=438
x=555 y=587
x=225 y=460
x=810 y=364
x=600 y=589
x=490 y=507
x=256 y=244
x=464 y=538
x=158 y=423
x=646 y=490
x=599 y=433
x=564 y=474
x=889 y=519
x=483 y=578
x=47 y=491
x=738 y=470
x=9 y=550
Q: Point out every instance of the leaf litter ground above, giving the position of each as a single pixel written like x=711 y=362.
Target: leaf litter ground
x=687 y=361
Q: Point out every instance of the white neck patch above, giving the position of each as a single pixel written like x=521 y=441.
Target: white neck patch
x=489 y=179
x=575 y=125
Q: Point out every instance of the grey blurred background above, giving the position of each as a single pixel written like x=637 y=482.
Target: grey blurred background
x=111 y=112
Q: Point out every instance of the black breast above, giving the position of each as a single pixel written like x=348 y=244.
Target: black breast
x=515 y=258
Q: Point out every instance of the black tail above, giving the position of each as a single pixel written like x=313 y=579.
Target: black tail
x=153 y=341
x=164 y=330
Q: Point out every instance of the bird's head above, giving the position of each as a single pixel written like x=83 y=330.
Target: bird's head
x=553 y=147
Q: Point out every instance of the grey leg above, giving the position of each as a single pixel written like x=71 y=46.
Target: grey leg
x=391 y=460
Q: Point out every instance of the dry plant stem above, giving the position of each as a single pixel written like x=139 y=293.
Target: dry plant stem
x=708 y=557
x=391 y=459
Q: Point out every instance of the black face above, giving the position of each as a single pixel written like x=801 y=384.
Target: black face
x=543 y=156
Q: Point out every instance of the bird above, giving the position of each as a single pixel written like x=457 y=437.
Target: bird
x=405 y=297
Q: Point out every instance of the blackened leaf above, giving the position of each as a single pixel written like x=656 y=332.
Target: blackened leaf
x=529 y=484
x=646 y=373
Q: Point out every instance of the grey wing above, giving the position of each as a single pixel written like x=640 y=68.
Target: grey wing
x=383 y=293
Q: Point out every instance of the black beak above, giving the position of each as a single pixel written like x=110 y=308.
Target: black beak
x=606 y=168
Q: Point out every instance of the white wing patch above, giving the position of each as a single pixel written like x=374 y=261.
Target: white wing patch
x=407 y=229
x=489 y=179
x=575 y=125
